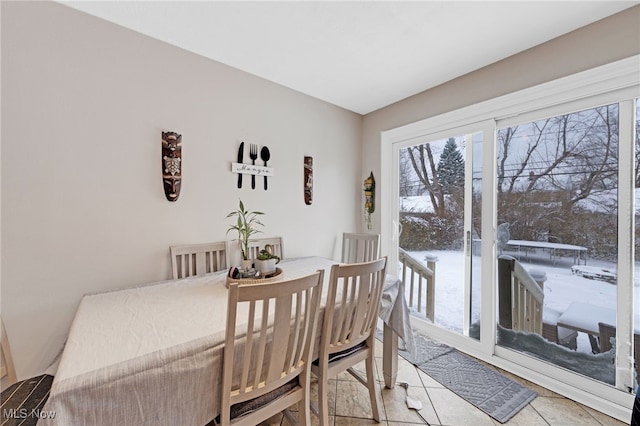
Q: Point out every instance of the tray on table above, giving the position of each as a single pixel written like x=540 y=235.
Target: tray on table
x=256 y=280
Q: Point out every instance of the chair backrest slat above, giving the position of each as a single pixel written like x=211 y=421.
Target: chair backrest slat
x=197 y=259
x=358 y=248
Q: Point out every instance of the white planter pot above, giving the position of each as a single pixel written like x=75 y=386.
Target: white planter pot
x=266 y=266
x=246 y=265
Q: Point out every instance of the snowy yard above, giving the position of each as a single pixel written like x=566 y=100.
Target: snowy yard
x=561 y=288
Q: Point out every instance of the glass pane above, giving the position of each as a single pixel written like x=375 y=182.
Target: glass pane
x=432 y=182
x=557 y=195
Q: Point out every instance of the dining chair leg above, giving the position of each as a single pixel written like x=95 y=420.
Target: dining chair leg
x=323 y=400
x=371 y=385
x=304 y=417
x=304 y=406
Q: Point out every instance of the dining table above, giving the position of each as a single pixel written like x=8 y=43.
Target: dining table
x=152 y=354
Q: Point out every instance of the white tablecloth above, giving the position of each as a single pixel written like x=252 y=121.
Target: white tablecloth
x=152 y=355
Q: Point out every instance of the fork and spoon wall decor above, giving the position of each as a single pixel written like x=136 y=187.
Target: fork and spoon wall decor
x=253 y=169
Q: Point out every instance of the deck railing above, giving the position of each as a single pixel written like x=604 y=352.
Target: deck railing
x=520 y=297
x=420 y=281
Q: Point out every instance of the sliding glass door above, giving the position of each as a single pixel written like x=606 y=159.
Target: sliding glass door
x=513 y=225
x=439 y=207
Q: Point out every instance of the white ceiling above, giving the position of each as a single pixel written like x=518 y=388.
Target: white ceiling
x=360 y=55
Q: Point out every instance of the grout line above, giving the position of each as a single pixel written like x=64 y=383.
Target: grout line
x=539 y=413
x=428 y=395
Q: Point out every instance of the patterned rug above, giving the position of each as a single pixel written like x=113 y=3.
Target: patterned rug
x=487 y=389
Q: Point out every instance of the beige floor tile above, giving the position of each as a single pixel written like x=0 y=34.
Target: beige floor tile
x=603 y=418
x=562 y=412
x=428 y=381
x=285 y=421
x=410 y=424
x=346 y=421
x=361 y=369
x=273 y=421
x=455 y=411
x=315 y=420
x=378 y=348
x=331 y=394
x=352 y=400
x=396 y=408
x=525 y=417
x=379 y=370
x=408 y=373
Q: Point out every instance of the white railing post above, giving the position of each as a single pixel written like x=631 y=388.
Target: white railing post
x=539 y=277
x=431 y=286
x=413 y=269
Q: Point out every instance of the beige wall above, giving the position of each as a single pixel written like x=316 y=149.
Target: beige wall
x=605 y=41
x=84 y=103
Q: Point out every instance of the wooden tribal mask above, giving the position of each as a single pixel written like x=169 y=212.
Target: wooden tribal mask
x=171 y=164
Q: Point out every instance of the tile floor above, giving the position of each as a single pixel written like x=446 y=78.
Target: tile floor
x=349 y=404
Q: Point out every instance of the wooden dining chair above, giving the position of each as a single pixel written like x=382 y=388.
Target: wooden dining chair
x=271 y=331
x=197 y=259
x=7 y=368
x=348 y=329
x=358 y=248
x=26 y=397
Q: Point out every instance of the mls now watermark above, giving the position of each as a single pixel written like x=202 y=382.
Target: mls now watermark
x=24 y=413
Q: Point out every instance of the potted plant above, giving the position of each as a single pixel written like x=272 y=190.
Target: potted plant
x=245 y=226
x=266 y=260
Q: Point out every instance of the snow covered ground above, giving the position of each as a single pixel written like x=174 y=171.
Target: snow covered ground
x=561 y=288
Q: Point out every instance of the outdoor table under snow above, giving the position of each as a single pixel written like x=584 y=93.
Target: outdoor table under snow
x=553 y=248
x=584 y=317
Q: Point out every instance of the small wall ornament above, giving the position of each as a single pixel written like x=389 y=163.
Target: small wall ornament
x=369 y=198
x=308 y=180
x=171 y=164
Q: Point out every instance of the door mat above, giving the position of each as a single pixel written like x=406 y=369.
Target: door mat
x=487 y=389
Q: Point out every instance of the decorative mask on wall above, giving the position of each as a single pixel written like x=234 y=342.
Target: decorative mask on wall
x=308 y=180
x=171 y=164
x=369 y=198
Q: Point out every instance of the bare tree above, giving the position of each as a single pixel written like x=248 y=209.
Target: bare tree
x=546 y=168
x=424 y=165
x=408 y=181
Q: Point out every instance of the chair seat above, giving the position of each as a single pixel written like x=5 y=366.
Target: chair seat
x=242 y=408
x=343 y=354
x=26 y=398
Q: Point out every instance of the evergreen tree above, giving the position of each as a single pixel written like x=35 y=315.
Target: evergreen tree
x=451 y=167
